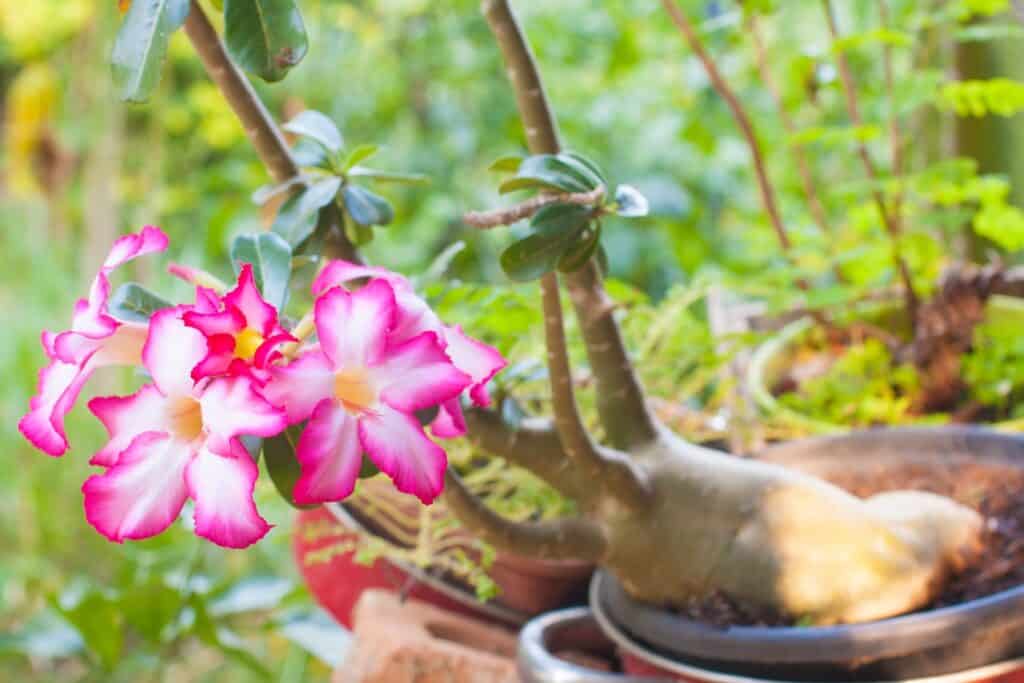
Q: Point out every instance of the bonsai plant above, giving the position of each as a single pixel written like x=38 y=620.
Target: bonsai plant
x=672 y=522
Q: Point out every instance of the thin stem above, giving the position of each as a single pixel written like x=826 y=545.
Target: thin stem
x=563 y=539
x=890 y=222
x=516 y=213
x=803 y=168
x=259 y=125
x=739 y=113
x=621 y=403
x=895 y=141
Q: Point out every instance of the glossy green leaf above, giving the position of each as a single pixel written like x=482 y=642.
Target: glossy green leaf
x=515 y=184
x=556 y=228
x=586 y=163
x=141 y=45
x=297 y=218
x=317 y=127
x=365 y=207
x=509 y=164
x=582 y=250
x=281 y=462
x=132 y=302
x=309 y=154
x=561 y=172
x=360 y=153
x=265 y=37
x=271 y=260
x=629 y=203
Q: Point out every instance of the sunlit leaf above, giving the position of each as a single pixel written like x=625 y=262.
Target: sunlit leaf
x=317 y=127
x=271 y=260
x=265 y=37
x=141 y=45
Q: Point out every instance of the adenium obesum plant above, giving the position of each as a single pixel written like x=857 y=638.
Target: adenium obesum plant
x=225 y=367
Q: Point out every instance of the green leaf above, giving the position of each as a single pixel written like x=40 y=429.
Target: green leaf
x=561 y=172
x=588 y=164
x=282 y=463
x=360 y=153
x=317 y=127
x=223 y=639
x=271 y=260
x=150 y=607
x=579 y=253
x=265 y=37
x=556 y=228
x=309 y=154
x=141 y=45
x=134 y=303
x=358 y=234
x=297 y=218
x=388 y=176
x=365 y=207
x=509 y=164
x=629 y=202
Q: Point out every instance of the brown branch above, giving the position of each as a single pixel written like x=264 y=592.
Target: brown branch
x=621 y=402
x=895 y=141
x=739 y=113
x=514 y=214
x=257 y=122
x=803 y=168
x=565 y=539
x=888 y=220
x=533 y=445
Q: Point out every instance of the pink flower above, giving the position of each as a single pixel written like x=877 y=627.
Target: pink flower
x=360 y=390
x=242 y=334
x=95 y=340
x=476 y=359
x=175 y=439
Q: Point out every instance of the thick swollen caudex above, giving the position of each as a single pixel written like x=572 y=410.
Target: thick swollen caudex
x=695 y=521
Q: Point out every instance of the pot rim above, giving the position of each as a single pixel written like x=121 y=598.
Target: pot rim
x=893 y=637
x=779 y=343
x=631 y=646
x=494 y=611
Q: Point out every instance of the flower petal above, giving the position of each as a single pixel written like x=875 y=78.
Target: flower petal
x=125 y=248
x=478 y=360
x=299 y=386
x=353 y=327
x=417 y=375
x=172 y=350
x=220 y=352
x=143 y=493
x=58 y=387
x=222 y=488
x=450 y=422
x=231 y=407
x=330 y=455
x=338 y=273
x=125 y=417
x=397 y=445
x=226 y=322
x=259 y=315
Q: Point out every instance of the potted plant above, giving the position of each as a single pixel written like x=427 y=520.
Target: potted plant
x=684 y=530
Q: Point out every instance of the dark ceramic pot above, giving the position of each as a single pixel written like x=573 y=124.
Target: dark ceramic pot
x=979 y=640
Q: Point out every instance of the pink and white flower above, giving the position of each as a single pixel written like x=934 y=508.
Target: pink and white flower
x=242 y=333
x=360 y=390
x=175 y=439
x=476 y=359
x=95 y=340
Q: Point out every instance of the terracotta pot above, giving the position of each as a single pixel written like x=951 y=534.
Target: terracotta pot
x=774 y=357
x=338 y=583
x=978 y=640
x=537 y=586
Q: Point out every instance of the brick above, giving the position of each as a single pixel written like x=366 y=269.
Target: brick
x=414 y=642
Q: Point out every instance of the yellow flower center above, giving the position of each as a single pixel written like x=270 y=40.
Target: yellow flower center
x=247 y=342
x=353 y=389
x=186 y=417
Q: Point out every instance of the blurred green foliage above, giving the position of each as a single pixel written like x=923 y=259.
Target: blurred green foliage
x=424 y=81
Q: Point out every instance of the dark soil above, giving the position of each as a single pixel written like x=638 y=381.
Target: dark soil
x=996 y=491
